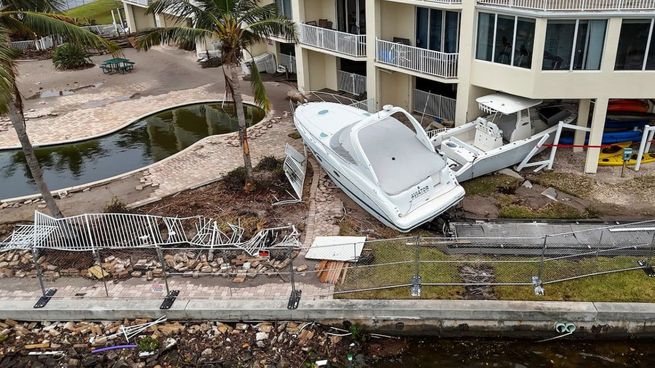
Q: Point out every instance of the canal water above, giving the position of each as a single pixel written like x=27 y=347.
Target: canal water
x=446 y=353
x=142 y=143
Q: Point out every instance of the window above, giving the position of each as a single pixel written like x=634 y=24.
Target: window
x=505 y=39
x=284 y=8
x=634 y=52
x=574 y=44
x=437 y=30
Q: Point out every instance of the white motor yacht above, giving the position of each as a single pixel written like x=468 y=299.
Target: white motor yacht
x=390 y=168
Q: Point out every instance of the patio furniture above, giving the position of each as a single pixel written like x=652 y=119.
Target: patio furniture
x=117 y=65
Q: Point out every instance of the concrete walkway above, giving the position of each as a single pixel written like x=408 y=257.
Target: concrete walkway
x=426 y=317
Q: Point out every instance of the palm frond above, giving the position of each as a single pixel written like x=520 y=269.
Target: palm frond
x=157 y=36
x=257 y=85
x=279 y=26
x=59 y=25
x=7 y=72
x=34 y=5
x=183 y=10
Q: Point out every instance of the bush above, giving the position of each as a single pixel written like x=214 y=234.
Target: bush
x=269 y=163
x=69 y=56
x=236 y=179
x=148 y=343
x=116 y=206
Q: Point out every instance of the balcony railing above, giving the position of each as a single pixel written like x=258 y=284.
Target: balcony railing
x=288 y=61
x=448 y=2
x=574 y=5
x=352 y=83
x=440 y=64
x=437 y=106
x=139 y=2
x=329 y=39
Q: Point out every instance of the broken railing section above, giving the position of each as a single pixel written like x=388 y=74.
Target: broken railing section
x=295 y=168
x=89 y=232
x=95 y=232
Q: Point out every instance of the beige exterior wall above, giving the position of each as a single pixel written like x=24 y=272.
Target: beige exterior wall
x=395 y=88
x=141 y=19
x=319 y=9
x=398 y=20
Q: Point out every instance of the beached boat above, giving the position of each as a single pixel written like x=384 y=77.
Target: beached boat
x=384 y=161
x=502 y=139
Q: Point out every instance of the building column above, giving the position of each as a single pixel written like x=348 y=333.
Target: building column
x=596 y=134
x=129 y=17
x=372 y=18
x=582 y=121
x=302 y=69
x=467 y=38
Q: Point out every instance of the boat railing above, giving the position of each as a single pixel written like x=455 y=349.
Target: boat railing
x=321 y=96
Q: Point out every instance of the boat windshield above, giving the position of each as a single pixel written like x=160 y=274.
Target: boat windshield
x=398 y=159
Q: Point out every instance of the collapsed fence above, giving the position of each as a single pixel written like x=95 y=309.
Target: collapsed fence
x=176 y=264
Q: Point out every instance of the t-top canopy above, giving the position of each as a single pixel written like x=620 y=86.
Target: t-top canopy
x=505 y=104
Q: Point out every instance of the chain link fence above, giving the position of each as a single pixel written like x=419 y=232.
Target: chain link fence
x=427 y=267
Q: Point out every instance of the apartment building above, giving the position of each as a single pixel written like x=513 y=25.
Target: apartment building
x=438 y=56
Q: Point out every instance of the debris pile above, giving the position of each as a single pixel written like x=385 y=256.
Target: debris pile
x=86 y=344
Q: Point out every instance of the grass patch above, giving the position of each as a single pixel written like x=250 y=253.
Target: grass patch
x=393 y=265
x=572 y=184
x=97 y=12
x=553 y=210
x=489 y=184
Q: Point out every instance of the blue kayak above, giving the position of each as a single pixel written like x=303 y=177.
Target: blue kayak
x=609 y=137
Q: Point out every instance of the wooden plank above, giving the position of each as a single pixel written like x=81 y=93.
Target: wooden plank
x=343 y=275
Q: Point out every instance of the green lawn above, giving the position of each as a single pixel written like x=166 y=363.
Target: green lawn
x=393 y=265
x=99 y=10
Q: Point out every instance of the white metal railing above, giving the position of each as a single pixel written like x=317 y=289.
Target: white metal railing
x=329 y=39
x=574 y=5
x=24 y=45
x=449 y=2
x=288 y=61
x=437 y=106
x=352 y=83
x=109 y=30
x=43 y=43
x=440 y=64
x=138 y=2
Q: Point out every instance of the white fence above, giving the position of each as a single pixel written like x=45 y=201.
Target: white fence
x=420 y=60
x=329 y=39
x=288 y=61
x=575 y=5
x=434 y=105
x=352 y=83
x=139 y=2
x=43 y=43
x=107 y=30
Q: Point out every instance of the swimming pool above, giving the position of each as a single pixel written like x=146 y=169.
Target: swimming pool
x=143 y=142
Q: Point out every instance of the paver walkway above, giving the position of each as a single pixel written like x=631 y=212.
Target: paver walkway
x=138 y=288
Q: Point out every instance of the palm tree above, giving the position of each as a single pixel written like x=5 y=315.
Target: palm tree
x=236 y=25
x=44 y=22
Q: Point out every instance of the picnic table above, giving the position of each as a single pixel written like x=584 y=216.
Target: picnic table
x=117 y=65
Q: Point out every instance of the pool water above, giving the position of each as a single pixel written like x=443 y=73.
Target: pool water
x=142 y=143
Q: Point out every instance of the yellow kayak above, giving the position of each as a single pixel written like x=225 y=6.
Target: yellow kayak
x=613 y=156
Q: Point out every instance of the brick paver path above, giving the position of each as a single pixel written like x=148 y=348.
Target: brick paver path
x=138 y=288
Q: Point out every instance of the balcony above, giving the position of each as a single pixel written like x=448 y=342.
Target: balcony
x=352 y=83
x=573 y=5
x=416 y=59
x=343 y=43
x=144 y=3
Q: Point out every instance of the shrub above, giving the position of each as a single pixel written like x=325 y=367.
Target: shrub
x=69 y=56
x=148 y=343
x=268 y=163
x=116 y=206
x=235 y=179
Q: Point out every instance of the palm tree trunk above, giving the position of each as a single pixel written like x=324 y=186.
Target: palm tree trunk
x=243 y=127
x=15 y=111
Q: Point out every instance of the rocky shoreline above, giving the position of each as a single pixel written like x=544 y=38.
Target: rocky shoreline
x=187 y=344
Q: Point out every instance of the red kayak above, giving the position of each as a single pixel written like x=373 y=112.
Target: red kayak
x=625 y=105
